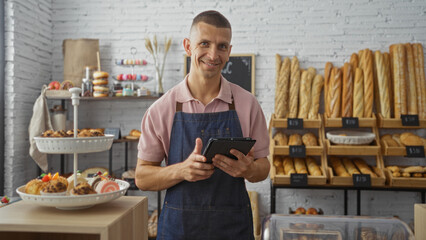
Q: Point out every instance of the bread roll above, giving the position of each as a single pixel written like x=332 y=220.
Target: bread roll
x=363 y=167
x=417 y=175
x=316 y=94
x=288 y=166
x=300 y=166
x=398 y=57
x=336 y=92
x=406 y=174
x=338 y=167
x=413 y=169
x=420 y=79
x=295 y=139
x=309 y=139
x=347 y=91
x=396 y=174
x=382 y=84
x=368 y=83
x=350 y=167
x=393 y=168
x=411 y=82
x=410 y=139
x=294 y=93
x=278 y=161
x=327 y=73
x=305 y=94
x=358 y=102
x=280 y=139
x=281 y=91
x=313 y=168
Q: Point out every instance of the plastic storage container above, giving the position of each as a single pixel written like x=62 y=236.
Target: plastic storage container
x=290 y=227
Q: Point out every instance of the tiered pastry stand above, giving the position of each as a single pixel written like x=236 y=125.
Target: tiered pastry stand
x=75 y=146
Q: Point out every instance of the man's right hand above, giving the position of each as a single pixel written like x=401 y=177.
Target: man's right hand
x=195 y=168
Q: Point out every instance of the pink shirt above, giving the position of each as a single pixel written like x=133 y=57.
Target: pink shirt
x=157 y=122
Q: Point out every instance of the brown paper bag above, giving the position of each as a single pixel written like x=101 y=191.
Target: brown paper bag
x=79 y=53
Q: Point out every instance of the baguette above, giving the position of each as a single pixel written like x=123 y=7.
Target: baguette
x=398 y=57
x=295 y=139
x=305 y=94
x=300 y=166
x=363 y=167
x=358 y=100
x=347 y=91
x=294 y=88
x=280 y=139
x=382 y=84
x=388 y=74
x=281 y=91
x=288 y=166
x=354 y=62
x=316 y=94
x=336 y=92
x=411 y=82
x=361 y=59
x=338 y=167
x=368 y=83
x=327 y=73
x=313 y=168
x=350 y=167
x=420 y=78
x=309 y=139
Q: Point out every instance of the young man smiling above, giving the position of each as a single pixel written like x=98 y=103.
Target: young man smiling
x=203 y=201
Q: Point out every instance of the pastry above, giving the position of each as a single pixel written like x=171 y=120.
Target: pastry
x=34 y=186
x=410 y=139
x=305 y=94
x=55 y=186
x=347 y=91
x=309 y=139
x=368 y=83
x=358 y=102
x=288 y=166
x=338 y=167
x=420 y=79
x=280 y=139
x=70 y=179
x=411 y=82
x=314 y=169
x=281 y=91
x=327 y=73
x=106 y=186
x=363 y=167
x=82 y=188
x=350 y=167
x=295 y=139
x=382 y=84
x=300 y=166
x=317 y=85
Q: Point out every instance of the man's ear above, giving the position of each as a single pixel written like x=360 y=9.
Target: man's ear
x=187 y=46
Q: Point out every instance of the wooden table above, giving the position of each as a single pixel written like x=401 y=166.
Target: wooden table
x=123 y=218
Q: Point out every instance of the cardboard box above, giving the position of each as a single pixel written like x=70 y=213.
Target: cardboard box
x=420 y=221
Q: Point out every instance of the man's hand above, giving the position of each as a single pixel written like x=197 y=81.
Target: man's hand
x=243 y=167
x=195 y=168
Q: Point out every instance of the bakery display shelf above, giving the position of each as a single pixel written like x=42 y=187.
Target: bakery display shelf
x=396 y=123
x=307 y=123
x=309 y=233
x=362 y=122
x=393 y=151
x=406 y=182
x=348 y=181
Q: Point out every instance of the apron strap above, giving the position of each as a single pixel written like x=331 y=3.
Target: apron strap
x=179 y=106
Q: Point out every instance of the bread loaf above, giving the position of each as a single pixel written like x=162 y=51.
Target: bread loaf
x=281 y=91
x=413 y=169
x=309 y=139
x=393 y=168
x=316 y=94
x=347 y=91
x=410 y=139
x=336 y=92
x=420 y=78
x=350 y=167
x=300 y=166
x=382 y=84
x=396 y=138
x=327 y=73
x=368 y=83
x=398 y=58
x=411 y=82
x=278 y=163
x=295 y=139
x=313 y=168
x=390 y=141
x=288 y=166
x=305 y=94
x=280 y=138
x=363 y=167
x=358 y=102
x=338 y=167
x=294 y=88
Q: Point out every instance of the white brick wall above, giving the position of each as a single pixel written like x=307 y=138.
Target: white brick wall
x=315 y=31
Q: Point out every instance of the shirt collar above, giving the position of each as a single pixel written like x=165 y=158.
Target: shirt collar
x=184 y=95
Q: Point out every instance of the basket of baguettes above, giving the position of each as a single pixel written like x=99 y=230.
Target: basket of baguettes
x=297 y=93
x=341 y=169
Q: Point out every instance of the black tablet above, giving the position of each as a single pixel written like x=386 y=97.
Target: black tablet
x=224 y=145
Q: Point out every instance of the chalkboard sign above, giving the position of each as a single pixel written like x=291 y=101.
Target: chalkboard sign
x=240 y=69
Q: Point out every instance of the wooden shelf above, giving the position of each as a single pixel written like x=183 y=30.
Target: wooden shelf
x=307 y=123
x=396 y=123
x=362 y=122
x=405 y=181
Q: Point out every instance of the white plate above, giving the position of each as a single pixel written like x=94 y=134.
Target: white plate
x=73 y=202
x=74 y=145
x=350 y=137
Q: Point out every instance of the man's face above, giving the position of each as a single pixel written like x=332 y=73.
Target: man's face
x=209 y=48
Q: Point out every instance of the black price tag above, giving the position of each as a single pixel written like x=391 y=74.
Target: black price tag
x=410 y=120
x=298 y=151
x=361 y=180
x=350 y=122
x=295 y=123
x=114 y=131
x=415 y=151
x=297 y=179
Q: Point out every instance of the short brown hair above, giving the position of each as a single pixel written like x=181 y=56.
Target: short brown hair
x=212 y=17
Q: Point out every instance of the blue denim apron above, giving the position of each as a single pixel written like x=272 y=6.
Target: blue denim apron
x=215 y=208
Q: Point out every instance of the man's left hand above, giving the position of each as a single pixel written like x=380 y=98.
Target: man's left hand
x=243 y=167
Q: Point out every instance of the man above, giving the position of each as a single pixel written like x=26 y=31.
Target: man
x=203 y=201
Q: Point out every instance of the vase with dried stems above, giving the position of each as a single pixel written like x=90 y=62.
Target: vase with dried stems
x=154 y=49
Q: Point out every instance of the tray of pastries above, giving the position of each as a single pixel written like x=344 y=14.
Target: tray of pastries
x=87 y=141
x=406 y=176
